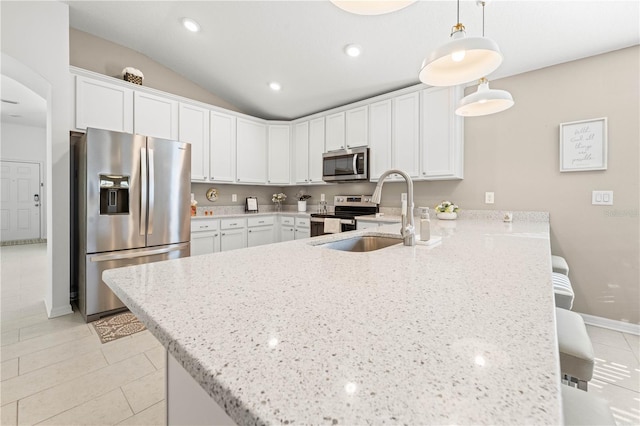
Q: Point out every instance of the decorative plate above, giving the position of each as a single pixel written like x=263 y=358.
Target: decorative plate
x=212 y=194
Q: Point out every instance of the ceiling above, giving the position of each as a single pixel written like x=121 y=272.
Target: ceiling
x=244 y=45
x=21 y=105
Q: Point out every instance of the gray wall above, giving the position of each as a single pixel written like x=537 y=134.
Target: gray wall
x=515 y=155
x=99 y=55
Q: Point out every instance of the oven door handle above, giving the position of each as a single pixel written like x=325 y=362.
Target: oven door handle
x=317 y=219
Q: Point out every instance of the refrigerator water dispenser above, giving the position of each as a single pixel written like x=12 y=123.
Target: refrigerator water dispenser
x=114 y=194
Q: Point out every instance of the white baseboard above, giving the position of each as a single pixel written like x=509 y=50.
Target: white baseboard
x=621 y=326
x=58 y=311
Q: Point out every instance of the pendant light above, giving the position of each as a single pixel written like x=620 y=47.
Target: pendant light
x=484 y=101
x=371 y=7
x=462 y=60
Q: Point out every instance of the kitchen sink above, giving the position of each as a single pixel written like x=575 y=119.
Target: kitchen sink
x=362 y=243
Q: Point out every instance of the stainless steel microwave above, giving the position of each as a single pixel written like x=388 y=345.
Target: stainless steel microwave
x=346 y=166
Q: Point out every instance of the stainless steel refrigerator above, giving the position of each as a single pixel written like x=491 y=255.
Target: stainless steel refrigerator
x=133 y=207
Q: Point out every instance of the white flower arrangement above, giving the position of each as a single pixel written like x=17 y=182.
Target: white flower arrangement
x=446 y=207
x=279 y=197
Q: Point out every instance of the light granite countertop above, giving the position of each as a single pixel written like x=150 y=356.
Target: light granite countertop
x=458 y=332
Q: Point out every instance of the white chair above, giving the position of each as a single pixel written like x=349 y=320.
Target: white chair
x=558 y=264
x=584 y=409
x=563 y=291
x=576 y=351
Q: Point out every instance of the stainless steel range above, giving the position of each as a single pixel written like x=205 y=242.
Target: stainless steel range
x=347 y=207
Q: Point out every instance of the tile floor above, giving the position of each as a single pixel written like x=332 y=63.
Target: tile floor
x=56 y=372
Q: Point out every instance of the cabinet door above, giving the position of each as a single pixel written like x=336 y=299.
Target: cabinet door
x=103 y=106
x=205 y=243
x=194 y=129
x=222 y=161
x=260 y=235
x=279 y=149
x=155 y=116
x=406 y=137
x=302 y=233
x=357 y=127
x=251 y=152
x=232 y=239
x=316 y=149
x=287 y=233
x=335 y=132
x=301 y=147
x=380 y=138
x=442 y=142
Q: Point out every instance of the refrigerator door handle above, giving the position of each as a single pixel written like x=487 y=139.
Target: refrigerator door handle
x=143 y=192
x=151 y=192
x=141 y=253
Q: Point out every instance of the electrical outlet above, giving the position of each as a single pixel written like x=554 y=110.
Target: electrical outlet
x=234 y=198
x=488 y=197
x=403 y=197
x=321 y=197
x=602 y=198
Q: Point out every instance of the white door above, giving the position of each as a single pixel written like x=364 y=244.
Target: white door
x=19 y=201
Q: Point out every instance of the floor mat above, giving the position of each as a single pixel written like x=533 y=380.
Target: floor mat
x=117 y=326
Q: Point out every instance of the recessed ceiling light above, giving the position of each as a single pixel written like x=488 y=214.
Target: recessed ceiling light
x=191 y=25
x=275 y=86
x=353 y=50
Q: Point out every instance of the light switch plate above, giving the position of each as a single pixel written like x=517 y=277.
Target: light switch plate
x=488 y=197
x=602 y=198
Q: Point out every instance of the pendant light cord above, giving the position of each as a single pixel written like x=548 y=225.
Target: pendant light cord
x=458 y=13
x=483 y=19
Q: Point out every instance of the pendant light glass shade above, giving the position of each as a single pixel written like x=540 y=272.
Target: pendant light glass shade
x=371 y=7
x=460 y=61
x=484 y=101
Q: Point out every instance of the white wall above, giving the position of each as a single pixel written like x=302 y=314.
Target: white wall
x=27 y=143
x=35 y=52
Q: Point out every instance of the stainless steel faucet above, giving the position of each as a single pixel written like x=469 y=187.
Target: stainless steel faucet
x=408 y=230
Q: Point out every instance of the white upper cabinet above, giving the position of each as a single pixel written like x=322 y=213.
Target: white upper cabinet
x=251 y=152
x=380 y=138
x=442 y=134
x=222 y=151
x=279 y=148
x=103 y=106
x=301 y=148
x=316 y=149
x=335 y=132
x=194 y=129
x=357 y=127
x=155 y=116
x=406 y=133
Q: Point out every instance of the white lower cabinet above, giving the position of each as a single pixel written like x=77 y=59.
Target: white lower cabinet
x=260 y=231
x=233 y=234
x=287 y=228
x=302 y=228
x=205 y=236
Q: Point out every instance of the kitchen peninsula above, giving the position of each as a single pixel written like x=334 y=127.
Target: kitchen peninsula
x=458 y=332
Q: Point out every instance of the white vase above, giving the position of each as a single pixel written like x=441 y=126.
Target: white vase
x=302 y=206
x=447 y=216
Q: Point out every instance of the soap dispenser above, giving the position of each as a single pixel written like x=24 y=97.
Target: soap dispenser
x=425 y=224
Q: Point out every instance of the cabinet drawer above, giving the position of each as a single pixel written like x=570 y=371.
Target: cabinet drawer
x=232 y=223
x=260 y=221
x=287 y=221
x=202 y=225
x=302 y=222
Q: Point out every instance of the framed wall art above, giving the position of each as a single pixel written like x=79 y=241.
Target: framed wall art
x=583 y=145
